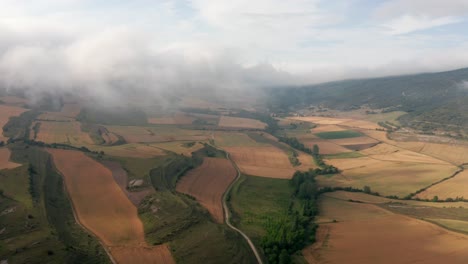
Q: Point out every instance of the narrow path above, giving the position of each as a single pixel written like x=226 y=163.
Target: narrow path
x=227 y=214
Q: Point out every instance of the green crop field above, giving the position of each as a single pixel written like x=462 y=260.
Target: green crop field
x=254 y=200
x=339 y=134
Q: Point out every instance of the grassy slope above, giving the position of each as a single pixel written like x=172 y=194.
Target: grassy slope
x=435 y=98
x=43 y=231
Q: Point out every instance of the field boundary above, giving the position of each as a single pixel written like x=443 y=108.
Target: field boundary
x=227 y=213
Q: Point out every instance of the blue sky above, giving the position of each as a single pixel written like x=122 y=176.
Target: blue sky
x=312 y=41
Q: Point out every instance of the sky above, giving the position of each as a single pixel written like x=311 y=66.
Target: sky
x=154 y=45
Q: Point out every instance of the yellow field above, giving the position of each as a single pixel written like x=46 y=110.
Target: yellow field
x=451 y=188
x=361 y=124
x=354 y=141
x=388 y=152
x=269 y=162
x=451 y=224
x=455 y=154
x=327 y=128
x=235 y=139
x=366 y=198
x=386 y=177
x=133 y=150
x=238 y=122
x=365 y=233
x=320 y=120
x=178 y=147
x=62 y=132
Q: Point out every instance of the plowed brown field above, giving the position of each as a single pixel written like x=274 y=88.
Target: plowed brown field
x=103 y=208
x=208 y=183
x=5 y=162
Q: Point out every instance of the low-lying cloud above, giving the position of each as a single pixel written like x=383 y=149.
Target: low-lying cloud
x=108 y=64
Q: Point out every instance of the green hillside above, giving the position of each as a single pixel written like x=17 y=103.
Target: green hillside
x=430 y=99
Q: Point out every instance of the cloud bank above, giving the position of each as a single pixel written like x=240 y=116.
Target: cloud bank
x=112 y=48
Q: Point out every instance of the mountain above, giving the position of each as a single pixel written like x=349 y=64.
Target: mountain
x=430 y=99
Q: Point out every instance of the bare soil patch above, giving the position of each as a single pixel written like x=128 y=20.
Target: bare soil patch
x=121 y=178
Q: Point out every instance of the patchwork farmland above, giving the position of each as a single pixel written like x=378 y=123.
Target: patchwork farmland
x=112 y=218
x=208 y=183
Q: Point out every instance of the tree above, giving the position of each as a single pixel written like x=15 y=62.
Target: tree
x=367 y=189
x=284 y=257
x=315 y=149
x=435 y=198
x=307 y=190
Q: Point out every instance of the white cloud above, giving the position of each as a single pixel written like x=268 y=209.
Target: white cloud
x=157 y=45
x=407 y=23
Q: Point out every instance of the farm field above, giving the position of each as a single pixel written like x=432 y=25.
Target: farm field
x=111 y=217
x=352 y=239
x=14 y=100
x=451 y=188
x=208 y=183
x=5 y=162
x=140 y=134
x=121 y=178
x=327 y=128
x=180 y=147
x=238 y=122
x=266 y=161
x=321 y=120
x=62 y=132
x=133 y=150
x=178 y=118
x=326 y=147
x=5 y=113
x=386 y=177
x=257 y=199
x=236 y=139
x=338 y=134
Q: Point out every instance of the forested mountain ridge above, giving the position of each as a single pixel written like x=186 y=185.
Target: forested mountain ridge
x=429 y=97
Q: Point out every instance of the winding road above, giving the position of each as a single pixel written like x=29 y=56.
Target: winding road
x=227 y=214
